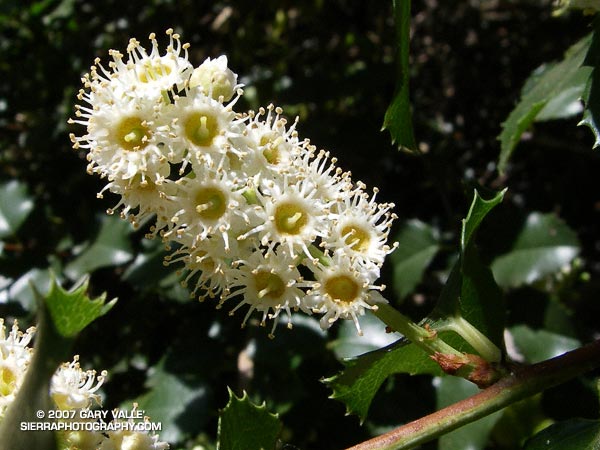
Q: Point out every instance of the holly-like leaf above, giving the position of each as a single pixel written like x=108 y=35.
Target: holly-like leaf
x=574 y=434
x=361 y=378
x=418 y=243
x=15 y=206
x=111 y=247
x=544 y=246
x=591 y=94
x=246 y=426
x=563 y=76
x=177 y=403
x=72 y=311
x=398 y=117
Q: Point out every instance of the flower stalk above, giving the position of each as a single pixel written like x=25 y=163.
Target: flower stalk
x=522 y=383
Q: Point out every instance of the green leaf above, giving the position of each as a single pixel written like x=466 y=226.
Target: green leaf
x=473 y=436
x=540 y=345
x=544 y=246
x=398 y=117
x=471 y=291
x=111 y=247
x=246 y=426
x=418 y=243
x=591 y=95
x=563 y=76
x=73 y=310
x=574 y=434
x=175 y=402
x=361 y=378
x=15 y=206
x=349 y=344
x=477 y=212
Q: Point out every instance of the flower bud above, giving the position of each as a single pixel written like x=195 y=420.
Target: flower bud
x=215 y=78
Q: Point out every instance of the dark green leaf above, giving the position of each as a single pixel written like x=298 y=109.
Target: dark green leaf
x=72 y=311
x=246 y=426
x=111 y=247
x=174 y=402
x=471 y=291
x=360 y=380
x=563 y=76
x=544 y=246
x=15 y=206
x=398 y=117
x=574 y=434
x=473 y=436
x=417 y=245
x=539 y=345
x=591 y=95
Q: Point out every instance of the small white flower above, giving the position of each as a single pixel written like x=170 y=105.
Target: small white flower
x=15 y=356
x=215 y=78
x=266 y=283
x=128 y=438
x=360 y=229
x=292 y=216
x=73 y=388
x=342 y=292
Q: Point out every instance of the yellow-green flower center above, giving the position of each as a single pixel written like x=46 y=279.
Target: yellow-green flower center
x=8 y=381
x=268 y=285
x=290 y=218
x=152 y=71
x=211 y=203
x=342 y=288
x=356 y=237
x=201 y=128
x=132 y=133
x=273 y=152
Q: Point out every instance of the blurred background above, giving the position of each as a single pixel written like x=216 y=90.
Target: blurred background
x=332 y=64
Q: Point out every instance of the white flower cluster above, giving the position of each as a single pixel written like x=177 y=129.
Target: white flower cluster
x=258 y=215
x=71 y=388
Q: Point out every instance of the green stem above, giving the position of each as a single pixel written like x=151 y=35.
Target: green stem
x=486 y=348
x=426 y=339
x=510 y=389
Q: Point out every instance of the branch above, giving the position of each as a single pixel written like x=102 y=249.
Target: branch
x=523 y=383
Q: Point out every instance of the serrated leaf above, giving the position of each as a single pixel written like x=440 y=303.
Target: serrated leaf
x=418 y=243
x=73 y=310
x=560 y=77
x=473 y=436
x=398 y=117
x=15 y=206
x=246 y=426
x=591 y=95
x=361 y=378
x=539 y=345
x=544 y=246
x=574 y=434
x=111 y=247
x=177 y=403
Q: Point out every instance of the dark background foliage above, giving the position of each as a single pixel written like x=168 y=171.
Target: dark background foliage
x=332 y=64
